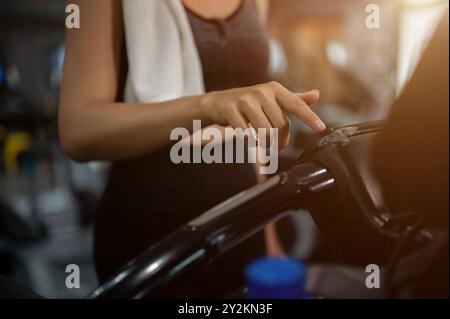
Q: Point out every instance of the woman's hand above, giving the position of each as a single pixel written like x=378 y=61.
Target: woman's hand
x=261 y=106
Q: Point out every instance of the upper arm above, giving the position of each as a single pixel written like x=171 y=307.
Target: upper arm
x=92 y=60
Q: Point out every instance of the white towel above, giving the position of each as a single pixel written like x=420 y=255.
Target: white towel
x=163 y=61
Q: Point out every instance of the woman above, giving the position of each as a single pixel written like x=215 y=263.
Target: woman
x=147 y=196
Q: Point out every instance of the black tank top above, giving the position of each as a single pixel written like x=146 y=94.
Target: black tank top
x=148 y=197
x=233 y=51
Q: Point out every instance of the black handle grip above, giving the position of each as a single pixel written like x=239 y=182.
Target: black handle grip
x=216 y=231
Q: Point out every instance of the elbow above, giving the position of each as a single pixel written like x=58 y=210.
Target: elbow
x=75 y=147
x=73 y=135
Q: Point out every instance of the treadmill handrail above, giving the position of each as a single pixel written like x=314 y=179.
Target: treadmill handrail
x=216 y=231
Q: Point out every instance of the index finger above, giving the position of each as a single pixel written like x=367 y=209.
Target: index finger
x=292 y=103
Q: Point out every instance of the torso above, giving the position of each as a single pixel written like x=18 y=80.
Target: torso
x=148 y=197
x=233 y=49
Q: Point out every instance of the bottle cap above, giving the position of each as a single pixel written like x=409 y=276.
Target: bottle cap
x=276 y=278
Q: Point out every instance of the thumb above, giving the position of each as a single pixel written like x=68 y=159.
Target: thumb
x=309 y=97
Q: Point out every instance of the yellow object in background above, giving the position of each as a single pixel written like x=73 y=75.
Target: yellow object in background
x=15 y=143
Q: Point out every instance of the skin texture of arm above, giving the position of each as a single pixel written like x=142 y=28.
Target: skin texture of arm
x=94 y=126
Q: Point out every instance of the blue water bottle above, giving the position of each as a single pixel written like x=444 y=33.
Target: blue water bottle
x=276 y=278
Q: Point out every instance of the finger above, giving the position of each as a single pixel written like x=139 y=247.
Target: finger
x=278 y=120
x=273 y=113
x=284 y=133
x=309 y=97
x=257 y=118
x=236 y=119
x=292 y=103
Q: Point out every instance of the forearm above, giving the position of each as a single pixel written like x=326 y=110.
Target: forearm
x=117 y=131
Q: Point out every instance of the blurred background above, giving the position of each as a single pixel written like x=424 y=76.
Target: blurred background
x=47 y=201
